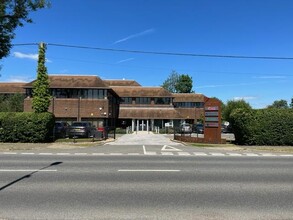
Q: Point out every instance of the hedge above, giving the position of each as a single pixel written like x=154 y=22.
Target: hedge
x=26 y=127
x=263 y=127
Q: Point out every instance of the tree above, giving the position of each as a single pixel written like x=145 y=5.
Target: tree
x=291 y=104
x=13 y=14
x=184 y=84
x=170 y=83
x=11 y=102
x=279 y=104
x=178 y=83
x=41 y=91
x=231 y=106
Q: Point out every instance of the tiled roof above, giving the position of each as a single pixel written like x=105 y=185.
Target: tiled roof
x=136 y=91
x=59 y=81
x=12 y=88
x=121 y=83
x=188 y=97
x=147 y=113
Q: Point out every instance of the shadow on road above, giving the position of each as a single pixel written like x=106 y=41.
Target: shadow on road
x=29 y=175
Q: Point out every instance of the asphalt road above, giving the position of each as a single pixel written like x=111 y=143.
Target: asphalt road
x=145 y=187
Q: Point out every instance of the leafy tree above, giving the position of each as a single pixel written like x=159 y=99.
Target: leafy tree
x=232 y=105
x=41 y=92
x=279 y=104
x=184 y=84
x=291 y=104
x=170 y=83
x=178 y=83
x=11 y=103
x=14 y=13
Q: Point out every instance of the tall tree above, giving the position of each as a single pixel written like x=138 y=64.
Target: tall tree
x=184 y=84
x=178 y=83
x=279 y=104
x=41 y=88
x=170 y=83
x=13 y=14
x=291 y=104
x=232 y=105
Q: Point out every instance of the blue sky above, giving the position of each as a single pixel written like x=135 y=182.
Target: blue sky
x=223 y=27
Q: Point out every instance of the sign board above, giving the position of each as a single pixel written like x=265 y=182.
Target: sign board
x=212 y=108
x=215 y=113
x=211 y=125
x=215 y=119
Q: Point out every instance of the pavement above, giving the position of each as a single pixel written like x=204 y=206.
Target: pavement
x=136 y=138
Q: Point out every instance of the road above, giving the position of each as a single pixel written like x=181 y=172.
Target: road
x=126 y=184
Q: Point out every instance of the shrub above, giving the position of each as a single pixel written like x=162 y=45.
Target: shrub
x=263 y=127
x=26 y=127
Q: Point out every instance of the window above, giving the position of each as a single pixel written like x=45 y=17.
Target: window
x=126 y=100
x=142 y=100
x=189 y=104
x=162 y=101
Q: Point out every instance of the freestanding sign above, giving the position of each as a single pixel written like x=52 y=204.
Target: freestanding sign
x=212 y=121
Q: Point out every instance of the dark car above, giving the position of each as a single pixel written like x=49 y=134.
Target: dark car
x=198 y=128
x=81 y=129
x=60 y=129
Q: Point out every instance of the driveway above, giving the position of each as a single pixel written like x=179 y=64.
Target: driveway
x=144 y=138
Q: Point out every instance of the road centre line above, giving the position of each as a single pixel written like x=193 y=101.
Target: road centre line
x=149 y=170
x=144 y=151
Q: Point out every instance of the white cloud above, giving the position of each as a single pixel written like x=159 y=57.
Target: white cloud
x=145 y=32
x=228 y=85
x=28 y=56
x=23 y=79
x=126 y=60
x=245 y=98
x=269 y=77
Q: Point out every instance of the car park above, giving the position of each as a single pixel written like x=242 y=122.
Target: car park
x=81 y=129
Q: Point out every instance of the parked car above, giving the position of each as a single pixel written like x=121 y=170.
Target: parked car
x=198 y=128
x=226 y=129
x=81 y=129
x=60 y=129
x=186 y=128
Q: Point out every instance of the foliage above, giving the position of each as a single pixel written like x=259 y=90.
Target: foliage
x=279 y=104
x=184 y=84
x=234 y=104
x=26 y=127
x=41 y=91
x=11 y=103
x=263 y=127
x=13 y=14
x=170 y=83
x=178 y=83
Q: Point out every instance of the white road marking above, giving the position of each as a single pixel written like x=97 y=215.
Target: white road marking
x=144 y=150
x=169 y=148
x=45 y=153
x=235 y=154
x=80 y=154
x=183 y=154
x=199 y=154
x=217 y=154
x=167 y=153
x=151 y=153
x=286 y=155
x=267 y=155
x=98 y=154
x=27 y=153
x=28 y=170
x=63 y=154
x=133 y=153
x=251 y=155
x=9 y=153
x=149 y=170
x=116 y=153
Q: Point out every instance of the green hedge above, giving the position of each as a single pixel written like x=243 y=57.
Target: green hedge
x=26 y=127
x=263 y=127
